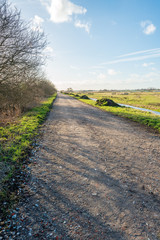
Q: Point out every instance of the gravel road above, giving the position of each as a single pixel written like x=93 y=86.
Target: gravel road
x=93 y=176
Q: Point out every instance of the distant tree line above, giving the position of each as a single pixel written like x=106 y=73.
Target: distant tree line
x=22 y=81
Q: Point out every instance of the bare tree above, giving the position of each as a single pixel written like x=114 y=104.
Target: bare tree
x=21 y=58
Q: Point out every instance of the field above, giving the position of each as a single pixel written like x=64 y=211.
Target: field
x=16 y=142
x=148 y=100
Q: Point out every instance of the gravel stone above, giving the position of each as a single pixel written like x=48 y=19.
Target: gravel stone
x=94 y=176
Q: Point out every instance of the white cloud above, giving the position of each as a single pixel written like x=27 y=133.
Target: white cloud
x=144 y=23
x=148 y=27
x=62 y=10
x=147 y=64
x=37 y=23
x=149 y=51
x=93 y=73
x=74 y=67
x=49 y=52
x=153 y=69
x=135 y=56
x=111 y=72
x=138 y=58
x=86 y=26
x=101 y=76
x=143 y=78
x=152 y=75
x=97 y=67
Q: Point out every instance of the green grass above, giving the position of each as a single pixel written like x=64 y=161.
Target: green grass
x=145 y=118
x=149 y=100
x=16 y=140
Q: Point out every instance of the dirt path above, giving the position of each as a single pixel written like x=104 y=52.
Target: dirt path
x=93 y=176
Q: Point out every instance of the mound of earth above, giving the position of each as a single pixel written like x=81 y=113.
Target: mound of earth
x=107 y=102
x=84 y=97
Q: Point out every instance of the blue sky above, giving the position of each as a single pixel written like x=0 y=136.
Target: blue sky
x=106 y=44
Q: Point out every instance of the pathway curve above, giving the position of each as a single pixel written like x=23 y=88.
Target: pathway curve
x=93 y=176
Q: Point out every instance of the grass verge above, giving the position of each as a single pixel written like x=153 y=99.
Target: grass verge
x=15 y=145
x=145 y=118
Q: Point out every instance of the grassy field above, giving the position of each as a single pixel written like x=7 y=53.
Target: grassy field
x=145 y=118
x=16 y=142
x=149 y=100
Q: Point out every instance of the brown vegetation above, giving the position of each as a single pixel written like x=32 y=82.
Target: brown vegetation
x=22 y=82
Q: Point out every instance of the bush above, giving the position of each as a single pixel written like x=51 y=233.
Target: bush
x=106 y=102
x=84 y=97
x=22 y=84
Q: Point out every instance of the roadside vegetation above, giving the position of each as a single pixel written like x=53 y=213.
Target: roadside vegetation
x=22 y=81
x=16 y=143
x=149 y=100
x=145 y=118
x=26 y=96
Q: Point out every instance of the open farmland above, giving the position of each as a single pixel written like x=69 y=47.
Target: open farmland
x=149 y=100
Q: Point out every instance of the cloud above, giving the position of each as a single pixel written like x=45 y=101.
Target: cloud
x=93 y=73
x=111 y=72
x=62 y=10
x=49 y=52
x=101 y=76
x=148 y=27
x=86 y=26
x=143 y=78
x=149 y=51
x=153 y=69
x=74 y=67
x=151 y=75
x=97 y=67
x=37 y=23
x=135 y=56
x=147 y=64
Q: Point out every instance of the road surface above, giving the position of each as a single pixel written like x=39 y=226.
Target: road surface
x=93 y=176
